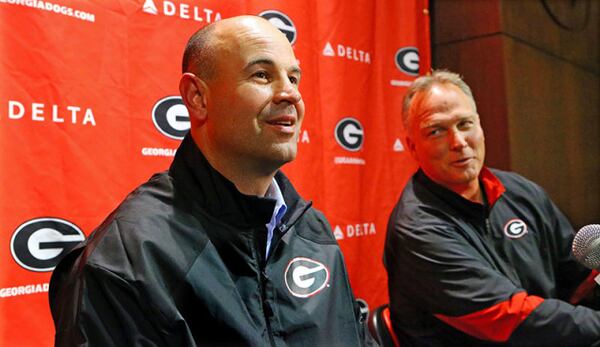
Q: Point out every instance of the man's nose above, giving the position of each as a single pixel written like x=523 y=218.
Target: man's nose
x=458 y=139
x=286 y=91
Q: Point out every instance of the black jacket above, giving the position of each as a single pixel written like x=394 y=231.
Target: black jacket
x=463 y=274
x=181 y=263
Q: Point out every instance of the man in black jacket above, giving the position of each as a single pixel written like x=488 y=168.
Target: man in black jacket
x=476 y=256
x=220 y=249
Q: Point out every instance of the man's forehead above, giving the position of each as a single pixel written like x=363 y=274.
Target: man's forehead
x=429 y=109
x=441 y=114
x=441 y=98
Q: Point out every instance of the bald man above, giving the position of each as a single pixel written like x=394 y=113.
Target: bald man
x=220 y=249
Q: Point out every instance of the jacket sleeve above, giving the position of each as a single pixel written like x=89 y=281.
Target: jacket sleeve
x=441 y=272
x=98 y=308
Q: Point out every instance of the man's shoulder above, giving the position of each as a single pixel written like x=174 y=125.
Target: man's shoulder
x=421 y=207
x=313 y=225
x=516 y=183
x=148 y=199
x=150 y=224
x=416 y=199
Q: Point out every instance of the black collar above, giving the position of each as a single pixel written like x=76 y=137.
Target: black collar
x=451 y=199
x=206 y=189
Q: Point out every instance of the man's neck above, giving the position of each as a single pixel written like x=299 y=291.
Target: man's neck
x=471 y=191
x=251 y=184
x=247 y=178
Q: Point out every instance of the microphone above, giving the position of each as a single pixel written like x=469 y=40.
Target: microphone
x=586 y=246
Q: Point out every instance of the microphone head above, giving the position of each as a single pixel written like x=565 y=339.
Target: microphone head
x=586 y=246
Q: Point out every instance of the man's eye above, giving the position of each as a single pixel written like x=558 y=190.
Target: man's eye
x=433 y=132
x=261 y=75
x=294 y=79
x=465 y=124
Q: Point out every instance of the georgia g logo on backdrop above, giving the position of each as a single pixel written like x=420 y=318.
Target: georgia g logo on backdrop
x=171 y=117
x=407 y=60
x=281 y=22
x=39 y=244
x=349 y=134
x=305 y=277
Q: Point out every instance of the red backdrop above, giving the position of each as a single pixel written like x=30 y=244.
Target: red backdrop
x=89 y=109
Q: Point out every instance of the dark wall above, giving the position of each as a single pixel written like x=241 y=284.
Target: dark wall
x=534 y=68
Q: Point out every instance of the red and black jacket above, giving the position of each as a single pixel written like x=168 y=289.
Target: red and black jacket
x=467 y=274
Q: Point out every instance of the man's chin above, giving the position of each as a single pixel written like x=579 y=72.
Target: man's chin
x=279 y=155
x=286 y=151
x=286 y=158
x=466 y=177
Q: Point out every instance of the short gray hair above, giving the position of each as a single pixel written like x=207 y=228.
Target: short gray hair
x=424 y=83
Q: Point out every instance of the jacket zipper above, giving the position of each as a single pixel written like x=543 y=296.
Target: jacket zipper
x=488 y=226
x=262 y=284
x=267 y=309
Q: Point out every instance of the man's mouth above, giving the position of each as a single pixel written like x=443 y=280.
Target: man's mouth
x=284 y=121
x=462 y=161
x=285 y=124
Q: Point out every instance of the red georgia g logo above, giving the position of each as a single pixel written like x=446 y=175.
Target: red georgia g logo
x=305 y=277
x=515 y=228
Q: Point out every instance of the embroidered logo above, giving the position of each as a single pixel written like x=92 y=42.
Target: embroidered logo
x=306 y=277
x=515 y=228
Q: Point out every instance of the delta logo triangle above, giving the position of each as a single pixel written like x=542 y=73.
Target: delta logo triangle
x=398 y=147
x=150 y=7
x=328 y=50
x=337 y=232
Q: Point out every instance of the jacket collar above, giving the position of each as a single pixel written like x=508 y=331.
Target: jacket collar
x=206 y=189
x=492 y=186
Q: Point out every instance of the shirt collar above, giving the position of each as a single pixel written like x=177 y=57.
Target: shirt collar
x=274 y=192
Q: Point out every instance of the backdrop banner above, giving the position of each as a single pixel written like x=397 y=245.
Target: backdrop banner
x=89 y=109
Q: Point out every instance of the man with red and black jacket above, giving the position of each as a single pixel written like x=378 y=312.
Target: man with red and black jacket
x=220 y=250
x=476 y=256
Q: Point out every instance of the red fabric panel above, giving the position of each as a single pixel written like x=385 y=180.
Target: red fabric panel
x=585 y=289
x=492 y=185
x=496 y=323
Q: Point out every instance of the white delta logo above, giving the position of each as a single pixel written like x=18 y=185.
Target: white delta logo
x=182 y=10
x=347 y=52
x=39 y=112
x=354 y=230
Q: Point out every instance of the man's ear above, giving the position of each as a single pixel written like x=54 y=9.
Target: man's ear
x=193 y=92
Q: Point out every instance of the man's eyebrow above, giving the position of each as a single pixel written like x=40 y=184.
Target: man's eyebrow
x=295 y=69
x=259 y=61
x=435 y=109
x=266 y=61
x=438 y=123
x=429 y=125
